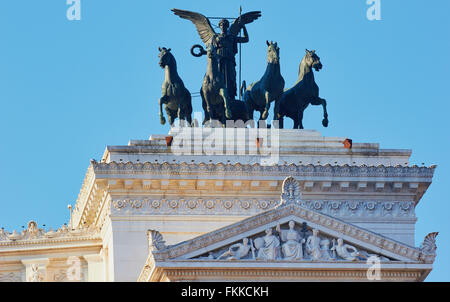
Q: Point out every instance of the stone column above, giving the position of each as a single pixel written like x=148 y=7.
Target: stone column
x=96 y=267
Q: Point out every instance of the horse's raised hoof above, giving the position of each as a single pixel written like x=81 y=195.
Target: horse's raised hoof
x=325 y=122
x=162 y=120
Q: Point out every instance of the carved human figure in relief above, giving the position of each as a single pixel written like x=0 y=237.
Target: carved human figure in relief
x=345 y=251
x=313 y=245
x=237 y=251
x=268 y=246
x=292 y=248
x=325 y=249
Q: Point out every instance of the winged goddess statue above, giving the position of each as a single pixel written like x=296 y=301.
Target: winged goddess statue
x=225 y=42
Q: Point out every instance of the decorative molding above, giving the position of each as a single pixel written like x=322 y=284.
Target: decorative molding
x=254 y=169
x=33 y=235
x=60 y=275
x=290 y=192
x=188 y=274
x=96 y=181
x=187 y=206
x=11 y=277
x=155 y=241
x=85 y=191
x=345 y=209
x=428 y=248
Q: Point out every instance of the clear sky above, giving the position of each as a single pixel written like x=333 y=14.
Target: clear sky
x=70 y=88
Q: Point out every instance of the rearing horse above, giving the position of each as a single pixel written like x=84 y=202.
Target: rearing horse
x=305 y=91
x=259 y=95
x=215 y=97
x=174 y=95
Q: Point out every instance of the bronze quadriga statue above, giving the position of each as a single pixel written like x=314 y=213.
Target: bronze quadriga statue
x=218 y=90
x=175 y=97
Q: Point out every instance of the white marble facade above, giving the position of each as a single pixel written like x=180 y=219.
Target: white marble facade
x=221 y=178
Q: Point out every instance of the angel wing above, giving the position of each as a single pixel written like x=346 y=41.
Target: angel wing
x=202 y=23
x=242 y=20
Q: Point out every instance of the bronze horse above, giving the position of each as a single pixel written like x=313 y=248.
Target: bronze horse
x=259 y=95
x=305 y=91
x=175 y=96
x=215 y=97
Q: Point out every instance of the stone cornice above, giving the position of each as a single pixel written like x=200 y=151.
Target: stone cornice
x=38 y=237
x=47 y=242
x=209 y=270
x=94 y=187
x=83 y=196
x=246 y=274
x=148 y=269
x=255 y=169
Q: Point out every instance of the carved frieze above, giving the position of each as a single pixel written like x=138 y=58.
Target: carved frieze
x=11 y=277
x=289 y=242
x=345 y=209
x=177 y=206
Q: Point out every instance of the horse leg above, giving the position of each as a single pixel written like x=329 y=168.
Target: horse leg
x=188 y=118
x=209 y=112
x=261 y=121
x=224 y=93
x=186 y=108
x=320 y=101
x=185 y=115
x=300 y=118
x=180 y=115
x=276 y=110
x=162 y=100
x=248 y=105
x=295 y=123
x=171 y=115
x=205 y=108
x=266 y=110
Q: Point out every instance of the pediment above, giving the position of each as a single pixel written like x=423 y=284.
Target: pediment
x=268 y=236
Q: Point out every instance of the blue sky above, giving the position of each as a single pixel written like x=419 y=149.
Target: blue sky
x=69 y=88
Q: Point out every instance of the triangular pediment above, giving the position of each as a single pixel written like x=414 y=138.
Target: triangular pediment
x=296 y=233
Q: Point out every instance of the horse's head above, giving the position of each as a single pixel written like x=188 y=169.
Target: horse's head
x=273 y=52
x=313 y=60
x=165 y=57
